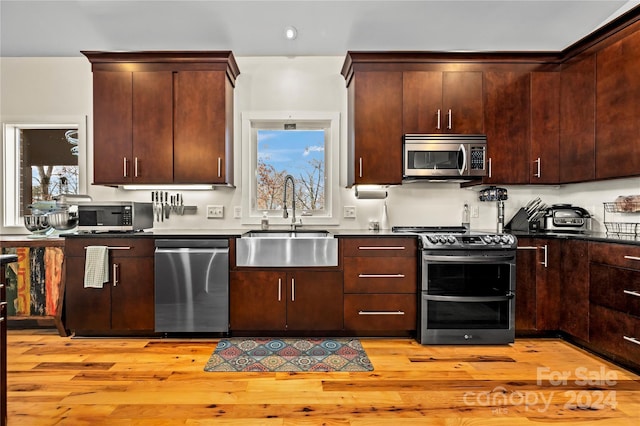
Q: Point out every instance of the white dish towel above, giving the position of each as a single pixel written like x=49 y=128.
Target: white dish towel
x=96 y=266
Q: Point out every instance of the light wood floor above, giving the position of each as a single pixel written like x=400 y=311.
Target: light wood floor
x=54 y=380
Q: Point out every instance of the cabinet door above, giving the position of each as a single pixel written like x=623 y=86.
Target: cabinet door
x=375 y=111
x=507 y=117
x=112 y=127
x=132 y=293
x=577 y=120
x=314 y=300
x=257 y=300
x=574 y=315
x=526 y=265
x=548 y=297
x=201 y=132
x=618 y=109
x=545 y=127
x=152 y=127
x=422 y=102
x=462 y=95
x=85 y=308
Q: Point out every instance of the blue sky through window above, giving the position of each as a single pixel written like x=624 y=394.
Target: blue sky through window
x=290 y=150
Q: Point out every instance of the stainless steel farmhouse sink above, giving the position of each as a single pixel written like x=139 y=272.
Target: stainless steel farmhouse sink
x=299 y=248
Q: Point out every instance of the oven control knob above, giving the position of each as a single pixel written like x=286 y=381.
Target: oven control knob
x=442 y=239
x=432 y=239
x=506 y=239
x=451 y=239
x=487 y=239
x=496 y=239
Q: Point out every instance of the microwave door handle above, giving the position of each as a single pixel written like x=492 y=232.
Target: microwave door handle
x=464 y=160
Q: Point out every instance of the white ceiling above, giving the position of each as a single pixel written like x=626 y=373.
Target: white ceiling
x=328 y=27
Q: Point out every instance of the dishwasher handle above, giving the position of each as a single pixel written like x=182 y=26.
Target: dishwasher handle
x=191 y=243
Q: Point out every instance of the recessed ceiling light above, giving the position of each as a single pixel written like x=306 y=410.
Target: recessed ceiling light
x=290 y=33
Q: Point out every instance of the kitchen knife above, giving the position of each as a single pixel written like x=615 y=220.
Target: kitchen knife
x=166 y=207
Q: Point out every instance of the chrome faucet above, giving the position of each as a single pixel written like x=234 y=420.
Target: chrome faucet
x=285 y=213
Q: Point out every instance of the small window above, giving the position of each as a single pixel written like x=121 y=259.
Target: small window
x=41 y=162
x=302 y=145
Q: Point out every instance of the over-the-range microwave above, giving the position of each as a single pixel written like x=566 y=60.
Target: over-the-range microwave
x=444 y=156
x=115 y=216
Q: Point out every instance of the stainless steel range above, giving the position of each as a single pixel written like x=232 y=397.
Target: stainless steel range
x=468 y=286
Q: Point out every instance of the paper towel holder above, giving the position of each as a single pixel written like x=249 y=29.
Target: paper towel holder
x=370 y=194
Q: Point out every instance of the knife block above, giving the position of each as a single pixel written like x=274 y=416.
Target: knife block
x=520 y=222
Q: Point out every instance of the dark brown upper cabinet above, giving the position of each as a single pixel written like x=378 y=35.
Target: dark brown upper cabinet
x=507 y=125
x=442 y=102
x=618 y=109
x=577 y=120
x=544 y=164
x=163 y=117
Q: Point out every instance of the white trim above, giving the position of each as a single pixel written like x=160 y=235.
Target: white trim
x=249 y=215
x=11 y=217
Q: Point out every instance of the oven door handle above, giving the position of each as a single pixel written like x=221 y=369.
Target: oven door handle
x=473 y=299
x=468 y=259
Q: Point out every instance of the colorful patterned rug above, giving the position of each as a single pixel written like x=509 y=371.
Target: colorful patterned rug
x=289 y=355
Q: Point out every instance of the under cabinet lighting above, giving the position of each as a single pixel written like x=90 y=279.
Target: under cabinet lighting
x=290 y=33
x=169 y=187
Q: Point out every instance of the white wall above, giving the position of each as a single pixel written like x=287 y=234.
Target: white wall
x=35 y=87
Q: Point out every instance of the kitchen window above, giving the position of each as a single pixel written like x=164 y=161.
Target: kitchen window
x=303 y=145
x=41 y=160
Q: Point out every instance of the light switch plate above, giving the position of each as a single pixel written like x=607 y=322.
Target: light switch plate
x=215 y=212
x=475 y=211
x=237 y=212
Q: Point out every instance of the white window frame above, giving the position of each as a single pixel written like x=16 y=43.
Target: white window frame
x=11 y=214
x=250 y=215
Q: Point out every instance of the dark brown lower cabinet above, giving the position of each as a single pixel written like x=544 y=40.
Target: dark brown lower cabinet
x=574 y=289
x=615 y=334
x=276 y=300
x=126 y=302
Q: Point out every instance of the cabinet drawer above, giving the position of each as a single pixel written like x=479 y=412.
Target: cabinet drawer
x=380 y=312
x=380 y=247
x=380 y=275
x=625 y=256
x=615 y=288
x=122 y=247
x=615 y=333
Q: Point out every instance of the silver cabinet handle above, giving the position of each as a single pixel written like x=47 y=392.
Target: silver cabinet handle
x=632 y=293
x=527 y=248
x=381 y=248
x=293 y=289
x=279 y=289
x=116 y=248
x=538 y=174
x=1 y=319
x=449 y=123
x=631 y=339
x=438 y=123
x=3 y=304
x=1 y=285
x=545 y=262
x=632 y=258
x=115 y=274
x=381 y=276
x=489 y=166
x=124 y=167
x=360 y=166
x=135 y=167
x=219 y=167
x=381 y=313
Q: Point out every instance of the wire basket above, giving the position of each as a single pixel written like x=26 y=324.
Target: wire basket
x=622 y=207
x=621 y=227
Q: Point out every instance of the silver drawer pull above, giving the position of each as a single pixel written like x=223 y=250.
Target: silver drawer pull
x=527 y=248
x=381 y=313
x=632 y=293
x=116 y=248
x=382 y=276
x=1 y=285
x=632 y=340
x=1 y=319
x=632 y=258
x=381 y=248
x=3 y=304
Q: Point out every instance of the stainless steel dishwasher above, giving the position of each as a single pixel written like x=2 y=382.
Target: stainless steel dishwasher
x=191 y=285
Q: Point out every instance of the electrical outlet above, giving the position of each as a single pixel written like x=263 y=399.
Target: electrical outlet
x=237 y=212
x=215 y=212
x=350 y=212
x=475 y=211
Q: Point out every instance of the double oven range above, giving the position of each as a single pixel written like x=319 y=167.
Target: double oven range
x=467 y=291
